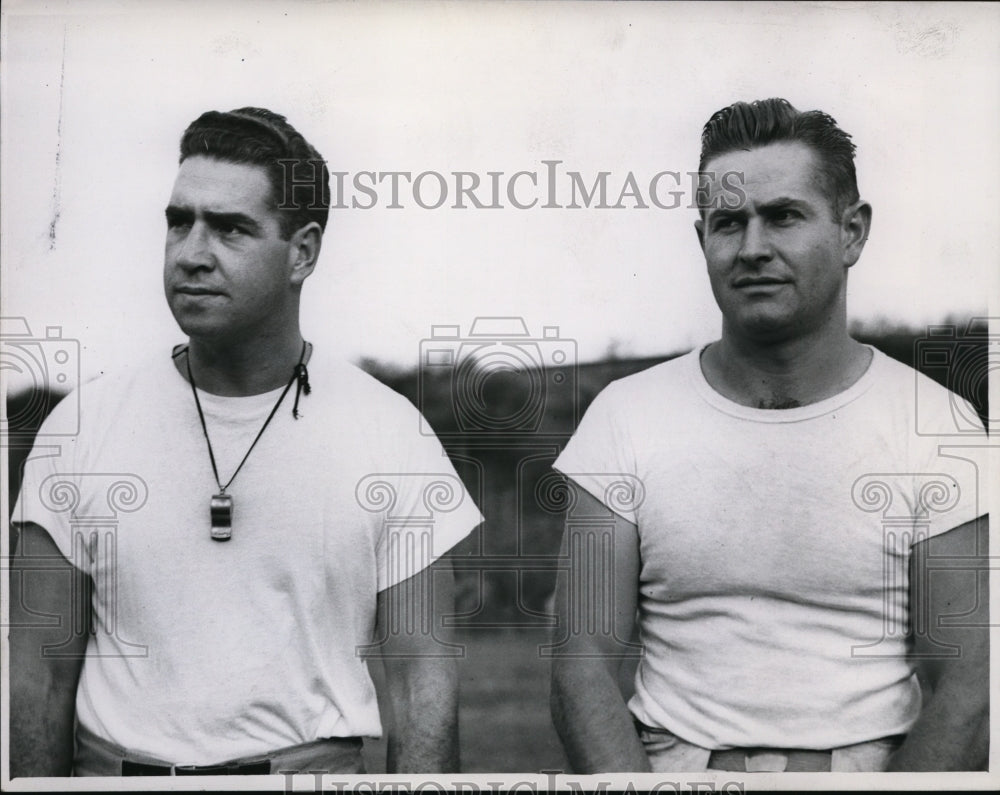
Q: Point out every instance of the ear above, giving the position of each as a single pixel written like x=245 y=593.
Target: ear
x=304 y=247
x=699 y=228
x=855 y=224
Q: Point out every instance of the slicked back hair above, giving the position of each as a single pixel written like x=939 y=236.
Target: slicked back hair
x=750 y=125
x=300 y=180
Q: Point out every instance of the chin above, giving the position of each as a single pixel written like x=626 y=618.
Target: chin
x=766 y=328
x=200 y=327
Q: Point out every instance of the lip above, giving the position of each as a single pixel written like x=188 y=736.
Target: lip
x=192 y=289
x=758 y=281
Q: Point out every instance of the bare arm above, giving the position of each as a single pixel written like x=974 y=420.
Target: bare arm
x=420 y=675
x=588 y=710
x=952 y=732
x=43 y=685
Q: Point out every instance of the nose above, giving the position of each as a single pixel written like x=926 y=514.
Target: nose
x=190 y=249
x=755 y=246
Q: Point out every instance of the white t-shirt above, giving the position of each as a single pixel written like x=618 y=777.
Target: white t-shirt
x=209 y=650
x=774 y=546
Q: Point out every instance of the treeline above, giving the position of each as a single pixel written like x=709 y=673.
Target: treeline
x=954 y=353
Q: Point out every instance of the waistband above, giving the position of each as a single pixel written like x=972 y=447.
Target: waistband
x=668 y=751
x=96 y=756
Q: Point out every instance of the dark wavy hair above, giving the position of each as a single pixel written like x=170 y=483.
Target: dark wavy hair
x=300 y=180
x=748 y=125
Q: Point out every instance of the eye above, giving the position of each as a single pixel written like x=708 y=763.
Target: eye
x=177 y=223
x=724 y=223
x=784 y=217
x=229 y=229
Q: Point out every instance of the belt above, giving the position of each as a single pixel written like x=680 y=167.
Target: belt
x=753 y=760
x=670 y=752
x=793 y=760
x=263 y=768
x=96 y=756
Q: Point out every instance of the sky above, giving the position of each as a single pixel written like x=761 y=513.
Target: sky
x=96 y=94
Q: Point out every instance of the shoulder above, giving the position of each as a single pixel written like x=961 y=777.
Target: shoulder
x=349 y=384
x=103 y=395
x=892 y=370
x=933 y=408
x=355 y=398
x=909 y=382
x=654 y=382
x=643 y=403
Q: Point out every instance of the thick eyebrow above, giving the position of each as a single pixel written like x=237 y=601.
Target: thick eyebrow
x=215 y=219
x=716 y=213
x=231 y=219
x=175 y=213
x=767 y=208
x=782 y=203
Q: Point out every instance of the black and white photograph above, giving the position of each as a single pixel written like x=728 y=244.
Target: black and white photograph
x=498 y=395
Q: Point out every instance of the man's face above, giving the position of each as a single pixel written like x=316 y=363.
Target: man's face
x=777 y=263
x=226 y=268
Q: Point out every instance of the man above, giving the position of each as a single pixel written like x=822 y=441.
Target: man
x=253 y=550
x=756 y=543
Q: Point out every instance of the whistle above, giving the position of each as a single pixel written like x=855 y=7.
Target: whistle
x=222 y=517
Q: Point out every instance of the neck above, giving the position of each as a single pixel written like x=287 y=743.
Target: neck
x=237 y=369
x=779 y=374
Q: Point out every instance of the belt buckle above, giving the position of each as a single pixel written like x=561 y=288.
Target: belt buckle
x=200 y=770
x=261 y=768
x=766 y=761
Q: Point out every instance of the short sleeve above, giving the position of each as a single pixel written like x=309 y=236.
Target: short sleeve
x=601 y=458
x=950 y=488
x=50 y=489
x=418 y=504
